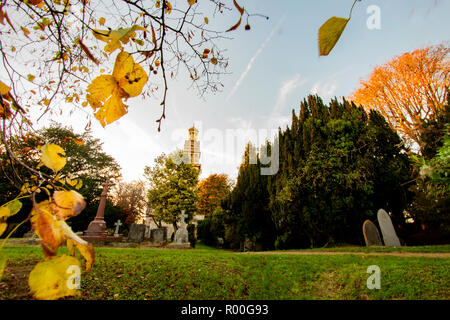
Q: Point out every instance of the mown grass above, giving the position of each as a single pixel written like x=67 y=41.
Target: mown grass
x=205 y=273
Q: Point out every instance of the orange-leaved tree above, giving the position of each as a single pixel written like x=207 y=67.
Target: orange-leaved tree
x=408 y=89
x=212 y=191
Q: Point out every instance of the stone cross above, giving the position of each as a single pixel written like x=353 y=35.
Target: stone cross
x=183 y=216
x=117 y=224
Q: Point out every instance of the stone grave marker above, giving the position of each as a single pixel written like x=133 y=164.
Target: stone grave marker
x=137 y=232
x=371 y=234
x=117 y=225
x=181 y=240
x=158 y=236
x=387 y=229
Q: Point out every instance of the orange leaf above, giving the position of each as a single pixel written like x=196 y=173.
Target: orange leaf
x=240 y=9
x=235 y=26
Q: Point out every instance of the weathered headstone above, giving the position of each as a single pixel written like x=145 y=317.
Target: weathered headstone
x=137 y=232
x=181 y=240
x=158 y=236
x=117 y=225
x=371 y=234
x=387 y=229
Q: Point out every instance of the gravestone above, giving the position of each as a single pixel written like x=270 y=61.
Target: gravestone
x=117 y=225
x=137 y=232
x=371 y=234
x=387 y=229
x=158 y=236
x=181 y=239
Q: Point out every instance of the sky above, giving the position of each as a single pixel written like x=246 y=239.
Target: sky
x=272 y=68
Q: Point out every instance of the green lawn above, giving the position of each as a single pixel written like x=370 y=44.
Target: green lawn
x=206 y=273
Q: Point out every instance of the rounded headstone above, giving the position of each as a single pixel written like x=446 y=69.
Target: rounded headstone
x=387 y=229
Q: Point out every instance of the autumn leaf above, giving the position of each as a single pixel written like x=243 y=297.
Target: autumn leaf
x=240 y=9
x=3 y=226
x=106 y=92
x=192 y=2
x=102 y=21
x=329 y=34
x=47 y=218
x=4 y=89
x=114 y=38
x=235 y=26
x=30 y=77
x=214 y=61
x=49 y=280
x=53 y=157
x=25 y=31
x=67 y=204
x=10 y=209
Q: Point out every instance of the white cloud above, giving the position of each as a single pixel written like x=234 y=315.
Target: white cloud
x=286 y=88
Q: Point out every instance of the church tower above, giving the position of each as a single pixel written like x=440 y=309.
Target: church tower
x=192 y=148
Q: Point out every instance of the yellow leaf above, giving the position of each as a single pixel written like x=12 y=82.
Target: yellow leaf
x=3 y=226
x=329 y=34
x=106 y=92
x=50 y=280
x=67 y=204
x=206 y=20
x=47 y=228
x=10 y=209
x=192 y=2
x=158 y=4
x=130 y=76
x=214 y=61
x=25 y=31
x=53 y=231
x=70 y=247
x=101 y=21
x=53 y=157
x=4 y=89
x=168 y=8
x=78 y=142
x=114 y=38
x=46 y=102
x=79 y=184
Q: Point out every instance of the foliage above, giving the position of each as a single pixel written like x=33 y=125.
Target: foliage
x=247 y=214
x=408 y=89
x=173 y=187
x=86 y=165
x=48 y=217
x=432 y=171
x=211 y=192
x=337 y=166
x=132 y=199
x=204 y=233
x=191 y=234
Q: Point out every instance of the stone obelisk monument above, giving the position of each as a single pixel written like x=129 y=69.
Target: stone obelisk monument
x=96 y=230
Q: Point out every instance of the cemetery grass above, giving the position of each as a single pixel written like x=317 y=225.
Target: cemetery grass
x=205 y=273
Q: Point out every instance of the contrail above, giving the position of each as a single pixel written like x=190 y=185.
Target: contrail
x=252 y=60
